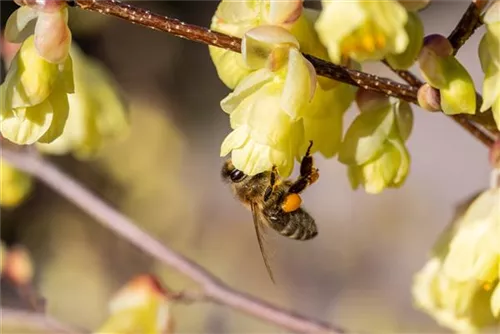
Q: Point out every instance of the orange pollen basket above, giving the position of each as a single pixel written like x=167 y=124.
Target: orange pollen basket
x=292 y=202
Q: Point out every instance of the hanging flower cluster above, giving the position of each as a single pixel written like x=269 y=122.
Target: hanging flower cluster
x=34 y=101
x=374 y=145
x=98 y=114
x=285 y=104
x=371 y=30
x=460 y=286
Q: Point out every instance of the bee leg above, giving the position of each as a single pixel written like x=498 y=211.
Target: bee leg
x=308 y=173
x=272 y=184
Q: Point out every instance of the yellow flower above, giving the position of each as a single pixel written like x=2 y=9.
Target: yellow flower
x=362 y=30
x=235 y=18
x=415 y=30
x=141 y=306
x=266 y=107
x=490 y=61
x=474 y=252
x=97 y=114
x=461 y=306
x=15 y=185
x=33 y=101
x=459 y=286
x=373 y=146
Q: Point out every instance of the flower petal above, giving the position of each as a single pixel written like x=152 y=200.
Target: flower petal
x=248 y=86
x=27 y=125
x=59 y=102
x=495 y=301
x=252 y=158
x=281 y=12
x=300 y=84
x=52 y=35
x=258 y=43
x=30 y=79
x=365 y=137
x=235 y=140
x=20 y=24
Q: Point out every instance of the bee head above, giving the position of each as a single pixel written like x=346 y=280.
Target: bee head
x=230 y=174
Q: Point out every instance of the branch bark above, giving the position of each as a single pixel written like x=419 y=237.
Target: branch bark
x=214 y=290
x=203 y=35
x=470 y=21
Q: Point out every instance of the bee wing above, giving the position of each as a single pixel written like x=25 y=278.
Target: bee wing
x=259 y=230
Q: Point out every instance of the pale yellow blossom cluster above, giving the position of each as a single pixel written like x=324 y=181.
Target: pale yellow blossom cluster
x=459 y=286
x=278 y=105
x=34 y=96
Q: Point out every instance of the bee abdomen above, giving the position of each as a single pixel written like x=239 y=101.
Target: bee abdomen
x=299 y=232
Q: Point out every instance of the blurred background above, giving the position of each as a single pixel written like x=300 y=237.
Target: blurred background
x=165 y=175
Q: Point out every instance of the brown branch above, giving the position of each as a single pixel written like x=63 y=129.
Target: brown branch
x=203 y=35
x=470 y=21
x=35 y=322
x=213 y=289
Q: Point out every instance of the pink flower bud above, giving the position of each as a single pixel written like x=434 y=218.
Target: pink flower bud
x=52 y=36
x=429 y=98
x=439 y=44
x=18 y=266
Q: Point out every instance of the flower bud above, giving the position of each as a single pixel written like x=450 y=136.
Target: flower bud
x=283 y=12
x=439 y=44
x=444 y=72
x=429 y=98
x=18 y=266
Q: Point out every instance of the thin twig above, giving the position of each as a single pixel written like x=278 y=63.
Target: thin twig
x=213 y=289
x=470 y=21
x=199 y=34
x=33 y=322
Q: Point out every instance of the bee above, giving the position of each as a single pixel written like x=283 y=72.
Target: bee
x=274 y=202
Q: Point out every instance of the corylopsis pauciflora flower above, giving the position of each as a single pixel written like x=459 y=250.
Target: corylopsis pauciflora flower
x=34 y=102
x=266 y=107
